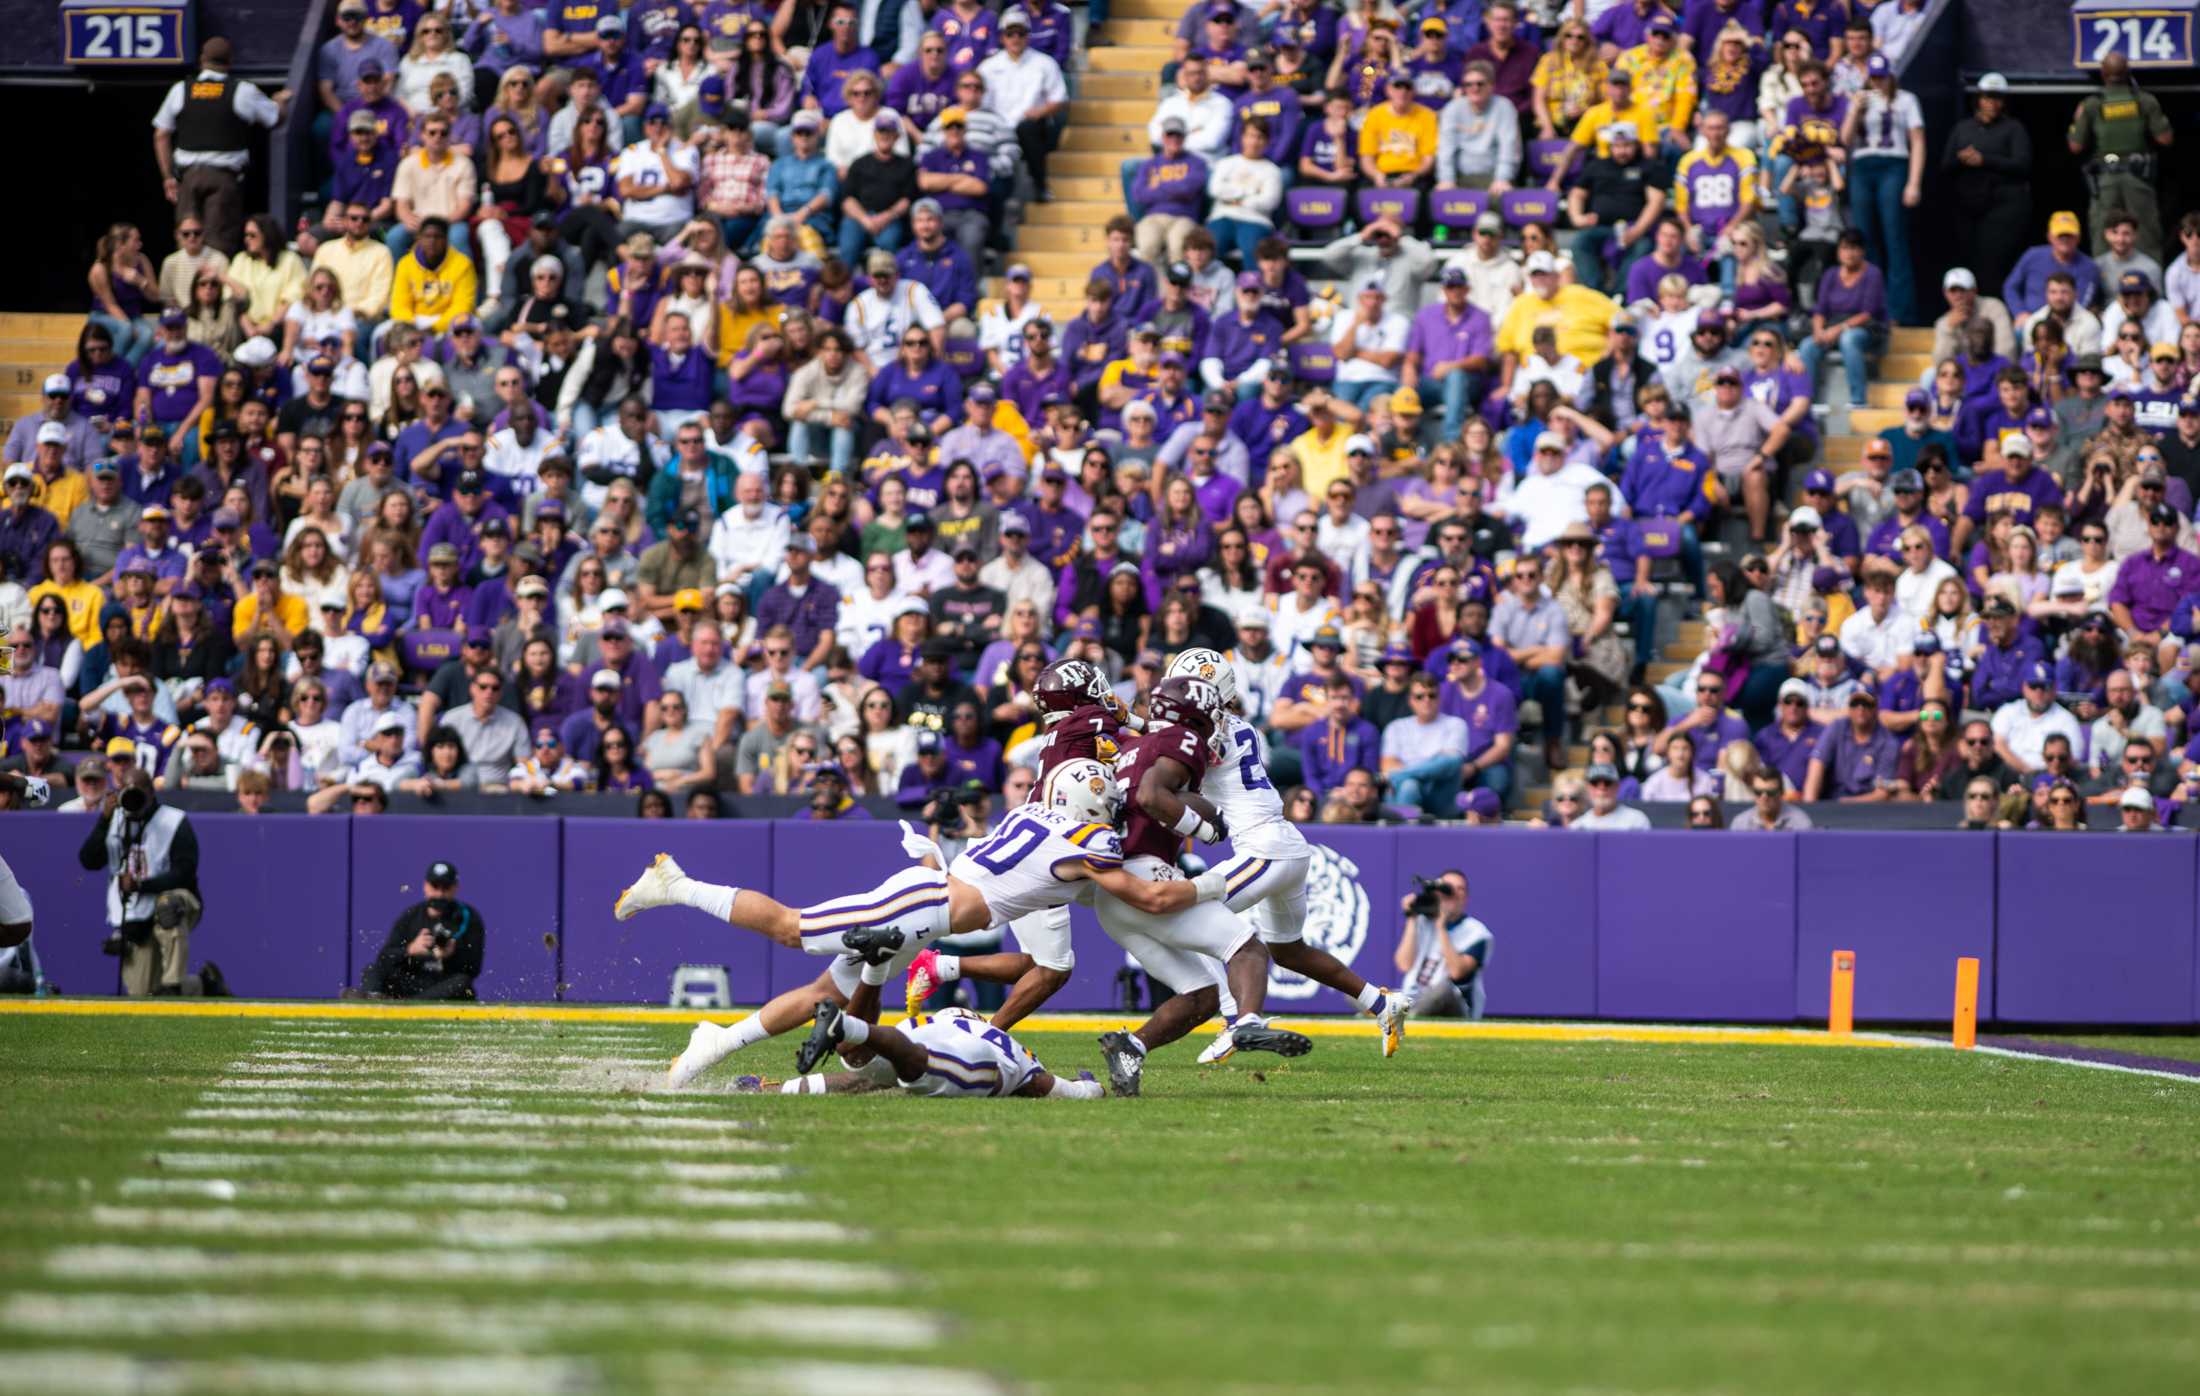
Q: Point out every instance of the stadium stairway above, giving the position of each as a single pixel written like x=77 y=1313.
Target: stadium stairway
x=1115 y=88
x=31 y=346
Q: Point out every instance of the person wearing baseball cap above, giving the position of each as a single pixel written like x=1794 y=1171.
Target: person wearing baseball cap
x=79 y=443
x=1582 y=317
x=1245 y=346
x=2025 y=290
x=435 y=948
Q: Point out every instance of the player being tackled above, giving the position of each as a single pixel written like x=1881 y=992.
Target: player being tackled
x=1042 y=856
x=1266 y=873
x=951 y=1053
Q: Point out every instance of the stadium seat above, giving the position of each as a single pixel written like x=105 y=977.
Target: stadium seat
x=1457 y=209
x=1401 y=204
x=1313 y=213
x=1545 y=156
x=1661 y=537
x=1524 y=206
x=1313 y=363
x=423 y=650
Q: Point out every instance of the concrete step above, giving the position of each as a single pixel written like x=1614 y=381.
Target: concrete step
x=1170 y=10
x=1135 y=30
x=1114 y=111
x=1903 y=368
x=1884 y=394
x=1072 y=186
x=1048 y=290
x=1098 y=164
x=1870 y=421
x=1910 y=340
x=1129 y=58
x=1120 y=140
x=1083 y=215
x=46 y=348
x=41 y=323
x=24 y=376
x=1088 y=238
x=1057 y=262
x=1141 y=84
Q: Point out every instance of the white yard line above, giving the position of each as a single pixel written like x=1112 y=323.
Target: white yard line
x=502 y=1118
x=557 y=1197
x=271 y=1089
x=358 y=1162
x=2117 y=1067
x=831 y=1379
x=93 y=1373
x=463 y=1139
x=185 y=1263
x=465 y=1228
x=457 y=1059
x=451 y=1318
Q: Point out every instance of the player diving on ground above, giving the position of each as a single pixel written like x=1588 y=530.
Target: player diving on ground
x=1042 y=856
x=950 y=1053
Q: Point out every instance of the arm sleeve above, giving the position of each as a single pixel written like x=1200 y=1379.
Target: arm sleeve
x=466 y=951
x=93 y=855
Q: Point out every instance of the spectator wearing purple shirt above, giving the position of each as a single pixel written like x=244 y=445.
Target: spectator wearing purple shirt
x=1702 y=20
x=337 y=63
x=1448 y=351
x=1709 y=724
x=1339 y=742
x=176 y=378
x=366 y=167
x=2154 y=586
x=1491 y=715
x=1854 y=760
x=808 y=606
x=832 y=64
x=509 y=36
x=1132 y=283
x=1788 y=742
x=2004 y=657
x=1625 y=25
x=459 y=520
x=1092 y=340
x=441 y=603
x=938 y=262
x=2020 y=488
x=1851 y=315
x=1264 y=423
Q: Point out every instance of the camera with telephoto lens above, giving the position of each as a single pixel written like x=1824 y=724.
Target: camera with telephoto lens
x=135 y=801
x=1428 y=896
x=939 y=807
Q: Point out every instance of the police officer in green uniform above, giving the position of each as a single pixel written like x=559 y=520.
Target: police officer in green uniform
x=2117 y=123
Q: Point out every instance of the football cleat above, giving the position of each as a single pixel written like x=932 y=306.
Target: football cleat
x=1253 y=1035
x=1392 y=1020
x=1219 y=1050
x=824 y=1037
x=653 y=888
x=874 y=945
x=1125 y=1063
x=922 y=980
x=706 y=1048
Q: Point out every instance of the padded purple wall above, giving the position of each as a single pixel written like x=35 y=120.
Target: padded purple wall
x=2096 y=929
x=613 y=961
x=508 y=868
x=1909 y=905
x=268 y=884
x=68 y=905
x=1690 y=927
x=1536 y=889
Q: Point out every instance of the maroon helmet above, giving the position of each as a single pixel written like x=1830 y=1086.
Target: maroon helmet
x=1184 y=701
x=1067 y=685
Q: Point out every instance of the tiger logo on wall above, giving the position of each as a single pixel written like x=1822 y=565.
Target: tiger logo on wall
x=1336 y=919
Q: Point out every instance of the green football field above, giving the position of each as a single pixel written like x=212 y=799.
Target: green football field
x=355 y=1204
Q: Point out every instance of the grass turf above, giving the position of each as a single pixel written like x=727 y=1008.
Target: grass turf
x=1521 y=1217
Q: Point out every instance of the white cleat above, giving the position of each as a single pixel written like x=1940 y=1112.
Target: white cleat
x=1221 y=1049
x=1392 y=1020
x=653 y=888
x=707 y=1046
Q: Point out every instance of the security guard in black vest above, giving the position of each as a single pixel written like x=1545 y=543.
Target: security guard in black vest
x=202 y=141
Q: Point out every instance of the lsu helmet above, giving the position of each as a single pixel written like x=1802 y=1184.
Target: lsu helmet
x=1201 y=663
x=1084 y=790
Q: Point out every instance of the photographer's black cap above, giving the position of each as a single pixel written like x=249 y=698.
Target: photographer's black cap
x=441 y=874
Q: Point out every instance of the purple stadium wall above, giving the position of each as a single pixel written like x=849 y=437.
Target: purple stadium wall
x=1662 y=925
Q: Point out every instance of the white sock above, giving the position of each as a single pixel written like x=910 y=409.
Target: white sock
x=1136 y=1043
x=1252 y=1020
x=707 y=897
x=950 y=968
x=854 y=1030
x=877 y=974
x=803 y=1085
x=748 y=1032
x=1370 y=999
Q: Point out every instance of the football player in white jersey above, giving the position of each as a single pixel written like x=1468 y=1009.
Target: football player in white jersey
x=1043 y=855
x=951 y=1053
x=1266 y=873
x=15 y=904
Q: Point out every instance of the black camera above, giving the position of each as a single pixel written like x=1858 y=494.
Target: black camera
x=135 y=801
x=940 y=805
x=1428 y=895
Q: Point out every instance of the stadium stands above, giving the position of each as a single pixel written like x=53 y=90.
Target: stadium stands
x=503 y=339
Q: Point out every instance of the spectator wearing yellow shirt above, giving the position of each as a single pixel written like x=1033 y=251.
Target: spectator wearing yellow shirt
x=1398 y=139
x=56 y=488
x=1583 y=318
x=1619 y=105
x=268 y=599
x=1567 y=81
x=1321 y=447
x=80 y=599
x=1664 y=82
x=434 y=284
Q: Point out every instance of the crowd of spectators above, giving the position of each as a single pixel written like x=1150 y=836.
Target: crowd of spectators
x=634 y=417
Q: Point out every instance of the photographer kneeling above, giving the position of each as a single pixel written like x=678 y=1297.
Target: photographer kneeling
x=1444 y=950
x=434 y=950
x=153 y=898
